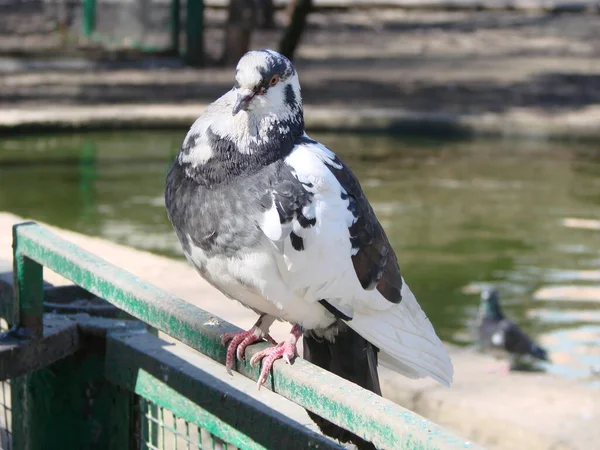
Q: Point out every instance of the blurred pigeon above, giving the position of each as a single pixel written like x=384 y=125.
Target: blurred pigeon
x=275 y=220
x=502 y=336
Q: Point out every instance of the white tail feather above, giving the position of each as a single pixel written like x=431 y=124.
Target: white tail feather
x=407 y=340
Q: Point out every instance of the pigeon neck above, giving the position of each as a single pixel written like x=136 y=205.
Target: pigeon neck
x=492 y=310
x=245 y=154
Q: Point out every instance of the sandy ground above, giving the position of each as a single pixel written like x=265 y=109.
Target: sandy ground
x=517 y=411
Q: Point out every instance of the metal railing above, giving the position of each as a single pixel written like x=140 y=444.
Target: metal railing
x=136 y=363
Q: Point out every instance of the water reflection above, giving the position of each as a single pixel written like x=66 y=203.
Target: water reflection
x=522 y=216
x=87 y=183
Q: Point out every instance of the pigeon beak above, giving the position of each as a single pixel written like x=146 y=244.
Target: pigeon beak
x=243 y=100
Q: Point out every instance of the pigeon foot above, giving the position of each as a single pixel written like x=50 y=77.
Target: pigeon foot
x=285 y=350
x=238 y=341
x=502 y=369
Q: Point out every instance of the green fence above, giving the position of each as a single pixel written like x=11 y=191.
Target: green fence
x=192 y=12
x=84 y=381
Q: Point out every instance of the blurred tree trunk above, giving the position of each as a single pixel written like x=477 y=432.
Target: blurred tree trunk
x=265 y=14
x=238 y=32
x=293 y=32
x=63 y=15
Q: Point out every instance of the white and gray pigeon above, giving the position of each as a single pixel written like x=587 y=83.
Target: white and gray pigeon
x=501 y=336
x=276 y=221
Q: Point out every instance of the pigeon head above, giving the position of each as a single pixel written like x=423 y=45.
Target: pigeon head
x=254 y=124
x=267 y=84
x=490 y=304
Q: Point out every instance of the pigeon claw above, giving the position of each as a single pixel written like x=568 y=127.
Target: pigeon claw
x=285 y=350
x=238 y=341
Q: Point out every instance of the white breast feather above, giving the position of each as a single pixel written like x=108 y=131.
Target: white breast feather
x=271 y=226
x=498 y=338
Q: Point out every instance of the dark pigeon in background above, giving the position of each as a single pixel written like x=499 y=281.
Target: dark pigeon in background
x=276 y=221
x=501 y=336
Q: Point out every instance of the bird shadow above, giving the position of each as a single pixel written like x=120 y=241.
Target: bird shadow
x=528 y=368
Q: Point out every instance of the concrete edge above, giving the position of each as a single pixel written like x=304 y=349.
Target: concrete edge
x=583 y=123
x=556 y=6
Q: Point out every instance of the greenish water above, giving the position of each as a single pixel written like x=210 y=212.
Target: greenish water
x=461 y=215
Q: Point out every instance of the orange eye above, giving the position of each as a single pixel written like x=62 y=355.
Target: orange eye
x=274 y=81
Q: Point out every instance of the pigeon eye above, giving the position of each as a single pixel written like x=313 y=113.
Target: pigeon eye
x=274 y=81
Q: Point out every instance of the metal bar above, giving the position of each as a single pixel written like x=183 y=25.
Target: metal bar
x=29 y=290
x=175 y=25
x=28 y=309
x=152 y=417
x=178 y=382
x=175 y=432
x=162 y=426
x=19 y=357
x=194 y=29
x=373 y=418
x=88 y=22
x=187 y=434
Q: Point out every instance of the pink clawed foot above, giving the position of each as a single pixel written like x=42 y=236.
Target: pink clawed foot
x=285 y=350
x=239 y=341
x=502 y=369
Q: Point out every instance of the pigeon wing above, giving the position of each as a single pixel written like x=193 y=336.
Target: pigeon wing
x=516 y=341
x=334 y=251
x=334 y=247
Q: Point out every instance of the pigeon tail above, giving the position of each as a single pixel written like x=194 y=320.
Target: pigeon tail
x=407 y=340
x=539 y=352
x=349 y=356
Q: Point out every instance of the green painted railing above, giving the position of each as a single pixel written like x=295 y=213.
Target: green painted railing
x=375 y=419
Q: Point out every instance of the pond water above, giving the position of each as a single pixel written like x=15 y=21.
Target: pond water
x=461 y=215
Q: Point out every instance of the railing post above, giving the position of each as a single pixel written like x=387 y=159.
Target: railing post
x=88 y=19
x=28 y=305
x=194 y=52
x=175 y=25
x=29 y=291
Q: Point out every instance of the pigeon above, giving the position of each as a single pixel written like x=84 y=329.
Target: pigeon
x=276 y=221
x=501 y=336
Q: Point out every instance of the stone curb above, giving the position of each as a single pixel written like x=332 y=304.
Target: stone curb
x=519 y=123
x=518 y=5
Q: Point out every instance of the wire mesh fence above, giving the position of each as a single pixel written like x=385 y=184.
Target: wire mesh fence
x=5 y=408
x=160 y=429
x=5 y=417
x=157 y=428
